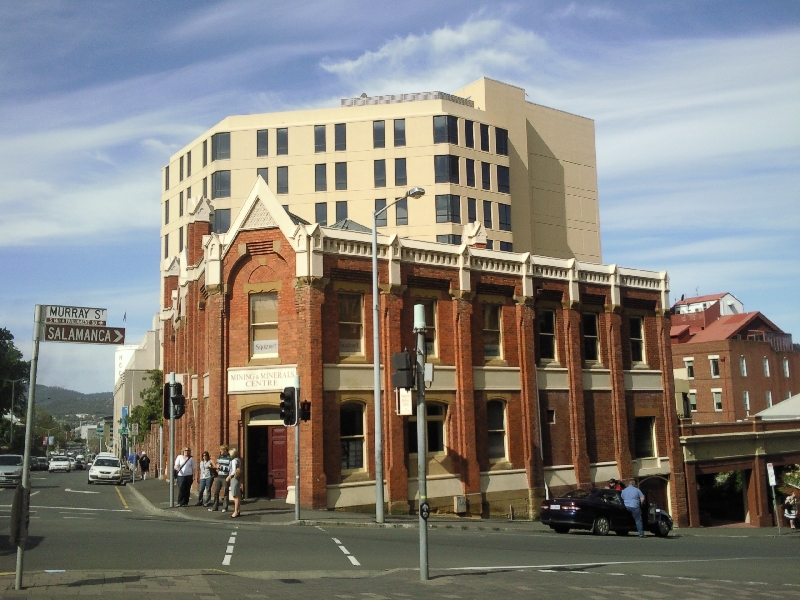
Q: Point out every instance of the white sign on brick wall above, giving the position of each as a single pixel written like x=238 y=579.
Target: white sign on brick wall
x=252 y=380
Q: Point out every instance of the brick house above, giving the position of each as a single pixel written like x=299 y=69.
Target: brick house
x=549 y=373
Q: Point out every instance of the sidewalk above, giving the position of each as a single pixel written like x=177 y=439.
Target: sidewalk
x=154 y=494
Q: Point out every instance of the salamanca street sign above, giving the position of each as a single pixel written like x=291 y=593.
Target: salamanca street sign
x=75 y=315
x=83 y=335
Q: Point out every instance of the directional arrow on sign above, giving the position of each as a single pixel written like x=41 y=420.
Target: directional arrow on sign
x=83 y=334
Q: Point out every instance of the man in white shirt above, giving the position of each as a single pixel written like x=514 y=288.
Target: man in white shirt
x=184 y=465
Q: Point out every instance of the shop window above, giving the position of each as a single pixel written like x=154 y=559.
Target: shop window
x=591 y=339
x=435 y=417
x=637 y=339
x=496 y=424
x=547 y=335
x=351 y=435
x=351 y=324
x=492 y=337
x=644 y=436
x=264 y=325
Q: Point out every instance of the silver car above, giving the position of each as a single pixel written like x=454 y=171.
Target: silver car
x=10 y=470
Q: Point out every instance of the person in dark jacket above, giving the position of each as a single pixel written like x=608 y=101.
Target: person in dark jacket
x=144 y=465
x=221 y=482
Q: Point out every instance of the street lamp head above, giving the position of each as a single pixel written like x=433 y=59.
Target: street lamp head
x=416 y=192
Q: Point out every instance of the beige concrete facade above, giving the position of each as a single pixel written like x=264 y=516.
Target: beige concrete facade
x=551 y=160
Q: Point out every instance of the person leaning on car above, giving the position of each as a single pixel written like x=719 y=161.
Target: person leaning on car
x=633 y=498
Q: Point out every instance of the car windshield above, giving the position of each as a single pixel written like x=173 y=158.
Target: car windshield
x=10 y=460
x=577 y=494
x=58 y=459
x=106 y=462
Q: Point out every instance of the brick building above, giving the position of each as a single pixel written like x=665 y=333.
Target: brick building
x=550 y=373
x=737 y=364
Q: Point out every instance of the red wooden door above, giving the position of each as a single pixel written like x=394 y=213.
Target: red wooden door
x=277 y=462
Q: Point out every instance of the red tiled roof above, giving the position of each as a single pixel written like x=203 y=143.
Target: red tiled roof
x=677 y=330
x=697 y=299
x=726 y=327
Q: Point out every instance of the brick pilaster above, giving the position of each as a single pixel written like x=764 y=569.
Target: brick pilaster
x=677 y=488
x=577 y=408
x=619 y=407
x=467 y=464
x=309 y=297
x=394 y=454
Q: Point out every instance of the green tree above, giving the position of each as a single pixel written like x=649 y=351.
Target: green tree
x=12 y=368
x=152 y=405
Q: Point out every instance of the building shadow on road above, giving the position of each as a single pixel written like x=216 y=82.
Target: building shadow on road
x=6 y=549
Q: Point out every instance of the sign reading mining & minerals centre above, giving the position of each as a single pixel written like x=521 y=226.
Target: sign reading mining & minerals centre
x=78 y=324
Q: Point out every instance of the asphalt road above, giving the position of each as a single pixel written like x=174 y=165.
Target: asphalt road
x=76 y=527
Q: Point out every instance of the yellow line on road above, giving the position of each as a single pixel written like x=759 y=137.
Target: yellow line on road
x=125 y=504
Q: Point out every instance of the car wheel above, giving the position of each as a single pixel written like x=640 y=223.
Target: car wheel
x=663 y=529
x=601 y=526
x=622 y=532
x=561 y=529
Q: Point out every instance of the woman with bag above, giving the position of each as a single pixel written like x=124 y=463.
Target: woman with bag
x=790 y=508
x=184 y=470
x=207 y=474
x=234 y=478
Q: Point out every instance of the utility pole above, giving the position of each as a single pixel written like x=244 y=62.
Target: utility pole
x=422 y=442
x=171 y=465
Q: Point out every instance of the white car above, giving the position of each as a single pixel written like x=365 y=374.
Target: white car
x=59 y=463
x=108 y=469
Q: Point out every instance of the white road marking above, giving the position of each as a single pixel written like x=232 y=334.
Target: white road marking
x=346 y=552
x=229 y=550
x=72 y=508
x=80 y=491
x=36 y=492
x=84 y=518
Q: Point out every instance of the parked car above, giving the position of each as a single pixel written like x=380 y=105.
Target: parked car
x=108 y=469
x=10 y=469
x=601 y=511
x=59 y=463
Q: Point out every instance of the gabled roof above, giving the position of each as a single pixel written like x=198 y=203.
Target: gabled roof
x=678 y=330
x=350 y=225
x=297 y=220
x=727 y=327
x=788 y=409
x=698 y=299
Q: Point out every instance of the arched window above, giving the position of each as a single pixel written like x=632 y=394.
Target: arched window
x=435 y=415
x=496 y=425
x=351 y=434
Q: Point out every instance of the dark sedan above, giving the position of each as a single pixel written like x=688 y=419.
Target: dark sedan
x=600 y=511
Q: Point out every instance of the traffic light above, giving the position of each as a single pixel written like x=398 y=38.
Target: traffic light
x=288 y=406
x=178 y=399
x=305 y=411
x=403 y=370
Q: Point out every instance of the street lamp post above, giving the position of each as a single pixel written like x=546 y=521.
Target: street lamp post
x=415 y=192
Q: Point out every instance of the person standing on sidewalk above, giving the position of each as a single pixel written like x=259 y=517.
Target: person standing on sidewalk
x=633 y=498
x=184 y=465
x=235 y=481
x=133 y=462
x=144 y=465
x=204 y=485
x=790 y=508
x=223 y=467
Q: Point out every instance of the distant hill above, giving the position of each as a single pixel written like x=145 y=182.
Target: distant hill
x=60 y=402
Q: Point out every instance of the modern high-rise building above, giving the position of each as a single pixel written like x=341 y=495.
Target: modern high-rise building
x=526 y=172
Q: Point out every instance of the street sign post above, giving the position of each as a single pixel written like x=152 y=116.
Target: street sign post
x=772 y=483
x=55 y=323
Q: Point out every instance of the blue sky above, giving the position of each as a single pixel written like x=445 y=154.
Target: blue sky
x=696 y=104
